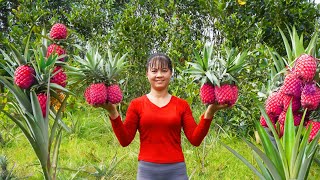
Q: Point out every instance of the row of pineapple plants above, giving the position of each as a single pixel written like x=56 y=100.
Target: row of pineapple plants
x=298 y=84
x=34 y=78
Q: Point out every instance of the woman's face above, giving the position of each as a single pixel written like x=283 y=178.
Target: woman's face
x=159 y=76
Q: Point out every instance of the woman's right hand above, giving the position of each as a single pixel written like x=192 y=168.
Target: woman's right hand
x=111 y=108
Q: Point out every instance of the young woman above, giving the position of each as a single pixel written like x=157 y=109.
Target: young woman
x=159 y=118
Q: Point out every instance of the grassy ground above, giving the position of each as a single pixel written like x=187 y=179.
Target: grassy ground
x=92 y=144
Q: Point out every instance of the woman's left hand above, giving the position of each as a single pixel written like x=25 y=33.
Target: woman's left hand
x=213 y=108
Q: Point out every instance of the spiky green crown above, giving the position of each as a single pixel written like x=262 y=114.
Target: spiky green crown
x=231 y=63
x=297 y=45
x=217 y=69
x=96 y=68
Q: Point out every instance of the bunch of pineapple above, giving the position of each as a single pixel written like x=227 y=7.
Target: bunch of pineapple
x=100 y=75
x=299 y=87
x=217 y=74
x=58 y=34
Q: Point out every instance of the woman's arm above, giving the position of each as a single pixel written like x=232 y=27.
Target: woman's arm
x=124 y=131
x=196 y=132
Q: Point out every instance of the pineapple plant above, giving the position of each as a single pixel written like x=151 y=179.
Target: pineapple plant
x=101 y=76
x=114 y=94
x=32 y=102
x=218 y=75
x=291 y=85
x=207 y=94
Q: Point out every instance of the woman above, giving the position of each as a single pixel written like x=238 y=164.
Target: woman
x=159 y=117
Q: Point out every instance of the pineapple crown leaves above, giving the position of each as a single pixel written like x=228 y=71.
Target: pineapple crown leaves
x=91 y=66
x=115 y=65
x=297 y=48
x=17 y=57
x=231 y=65
x=201 y=69
x=276 y=73
x=215 y=68
x=99 y=68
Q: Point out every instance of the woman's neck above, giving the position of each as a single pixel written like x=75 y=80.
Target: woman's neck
x=159 y=94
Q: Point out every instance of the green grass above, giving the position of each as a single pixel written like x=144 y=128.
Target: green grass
x=92 y=143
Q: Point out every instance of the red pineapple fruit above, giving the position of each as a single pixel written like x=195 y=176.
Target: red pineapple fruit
x=87 y=95
x=309 y=97
x=226 y=94
x=207 y=94
x=96 y=94
x=114 y=94
x=292 y=85
x=56 y=49
x=305 y=67
x=281 y=130
x=24 y=76
x=273 y=104
x=59 y=76
x=296 y=118
x=314 y=130
x=264 y=123
x=42 y=98
x=286 y=99
x=58 y=31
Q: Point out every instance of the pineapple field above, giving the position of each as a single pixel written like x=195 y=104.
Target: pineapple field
x=61 y=61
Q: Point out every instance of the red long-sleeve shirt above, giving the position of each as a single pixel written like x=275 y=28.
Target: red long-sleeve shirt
x=160 y=129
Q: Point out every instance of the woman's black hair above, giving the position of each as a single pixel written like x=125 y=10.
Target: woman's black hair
x=160 y=59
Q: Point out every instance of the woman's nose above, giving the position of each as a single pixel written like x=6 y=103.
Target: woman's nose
x=159 y=74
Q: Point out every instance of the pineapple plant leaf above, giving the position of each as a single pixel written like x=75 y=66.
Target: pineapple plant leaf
x=297 y=48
